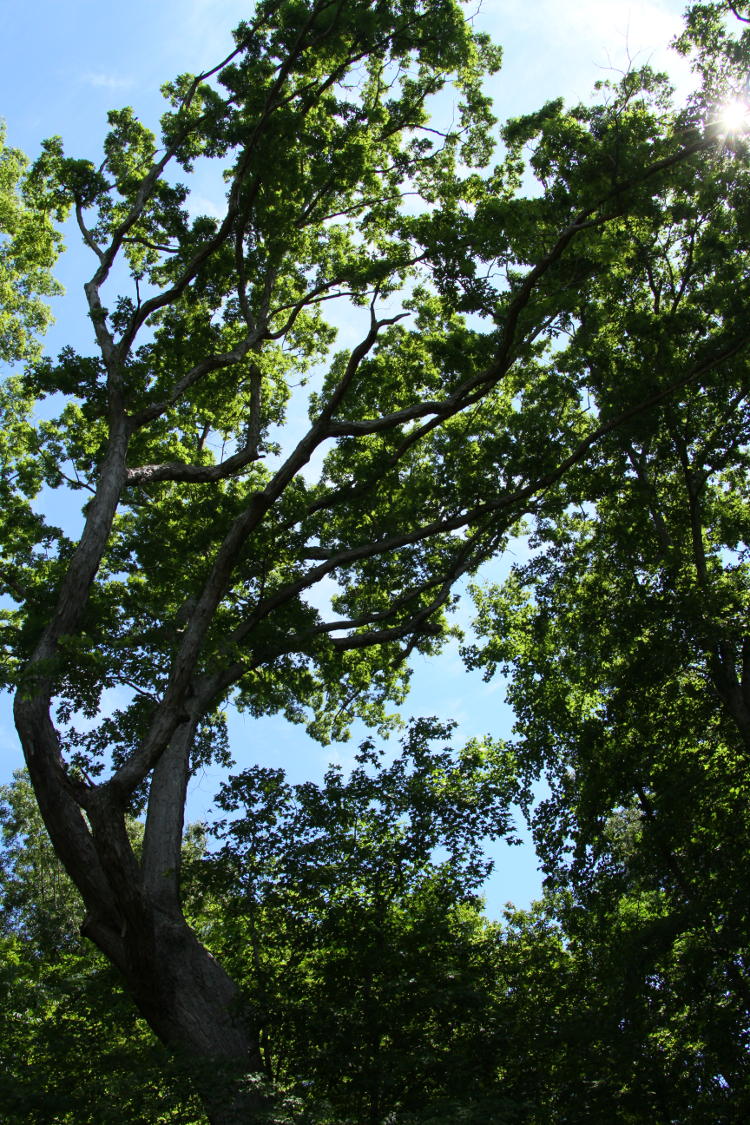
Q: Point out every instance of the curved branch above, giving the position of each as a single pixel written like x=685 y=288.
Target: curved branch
x=192 y=474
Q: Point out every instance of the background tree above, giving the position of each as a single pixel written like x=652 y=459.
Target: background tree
x=626 y=637
x=350 y=913
x=382 y=991
x=29 y=246
x=198 y=572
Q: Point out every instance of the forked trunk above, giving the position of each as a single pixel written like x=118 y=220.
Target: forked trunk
x=134 y=917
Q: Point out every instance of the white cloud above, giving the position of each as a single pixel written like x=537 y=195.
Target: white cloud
x=205 y=28
x=198 y=205
x=106 y=81
x=554 y=49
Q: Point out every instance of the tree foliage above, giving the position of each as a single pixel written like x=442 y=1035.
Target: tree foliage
x=626 y=638
x=29 y=245
x=363 y=952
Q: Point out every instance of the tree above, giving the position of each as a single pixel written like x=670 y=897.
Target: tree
x=350 y=913
x=39 y=902
x=383 y=992
x=196 y=577
x=626 y=637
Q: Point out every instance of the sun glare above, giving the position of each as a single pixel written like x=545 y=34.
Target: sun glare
x=734 y=116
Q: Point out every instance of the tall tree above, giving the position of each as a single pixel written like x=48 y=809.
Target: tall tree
x=382 y=991
x=198 y=574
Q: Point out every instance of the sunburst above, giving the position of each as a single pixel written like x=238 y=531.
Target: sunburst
x=734 y=116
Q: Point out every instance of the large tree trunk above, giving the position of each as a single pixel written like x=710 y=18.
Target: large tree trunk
x=194 y=1008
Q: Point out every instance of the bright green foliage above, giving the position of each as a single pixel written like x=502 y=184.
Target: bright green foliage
x=233 y=318
x=717 y=40
x=233 y=314
x=29 y=246
x=39 y=903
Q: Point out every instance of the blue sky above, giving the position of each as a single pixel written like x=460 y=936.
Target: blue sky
x=63 y=65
